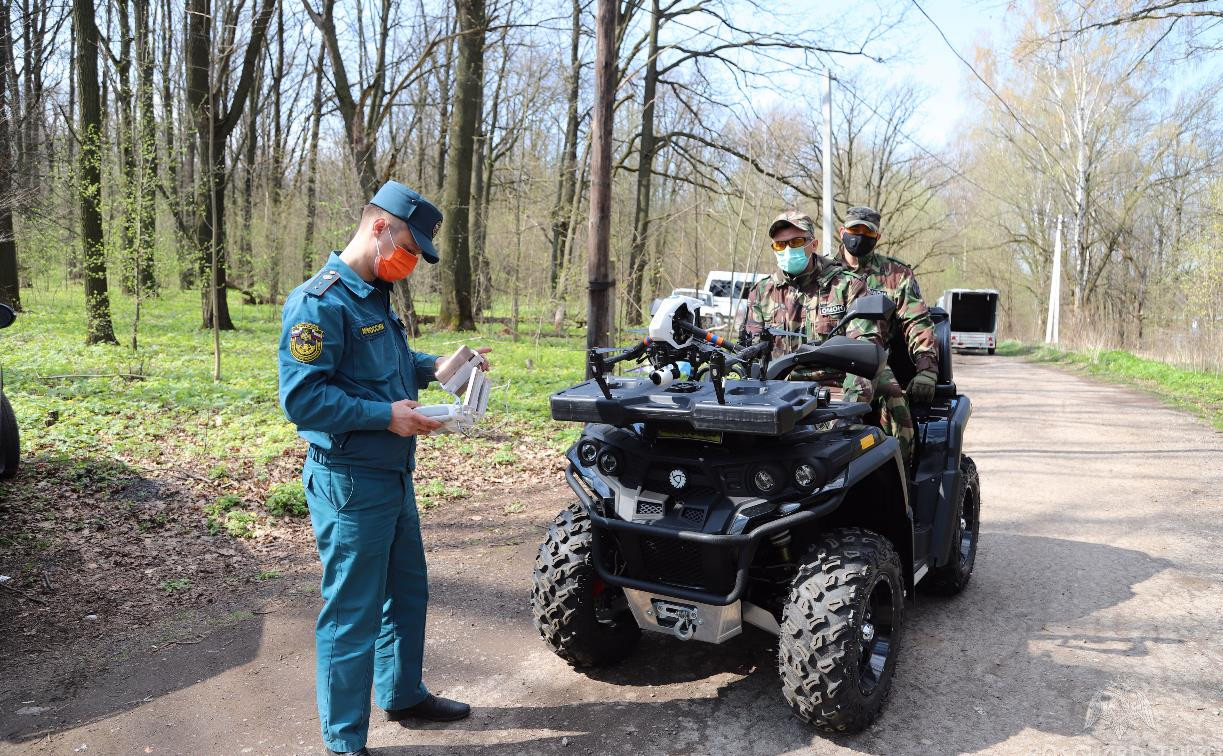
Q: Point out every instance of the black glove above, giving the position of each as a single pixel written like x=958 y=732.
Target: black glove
x=921 y=388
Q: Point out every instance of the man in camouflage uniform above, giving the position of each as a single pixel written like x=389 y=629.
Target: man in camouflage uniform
x=808 y=294
x=859 y=235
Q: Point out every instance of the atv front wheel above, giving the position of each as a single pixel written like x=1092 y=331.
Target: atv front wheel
x=585 y=621
x=952 y=577
x=840 y=631
x=10 y=440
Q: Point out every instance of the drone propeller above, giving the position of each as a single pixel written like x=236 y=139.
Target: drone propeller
x=612 y=350
x=636 y=330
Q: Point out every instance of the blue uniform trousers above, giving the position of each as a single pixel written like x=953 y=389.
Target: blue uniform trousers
x=375 y=589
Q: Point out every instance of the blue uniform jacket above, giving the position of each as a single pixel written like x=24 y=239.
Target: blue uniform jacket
x=343 y=359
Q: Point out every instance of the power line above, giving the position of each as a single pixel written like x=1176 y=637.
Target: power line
x=871 y=108
x=1022 y=124
x=918 y=145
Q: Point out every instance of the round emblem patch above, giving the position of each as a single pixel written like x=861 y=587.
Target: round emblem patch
x=306 y=342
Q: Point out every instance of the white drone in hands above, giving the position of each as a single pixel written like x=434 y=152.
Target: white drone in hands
x=461 y=377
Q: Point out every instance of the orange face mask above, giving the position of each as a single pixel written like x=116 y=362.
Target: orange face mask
x=398 y=266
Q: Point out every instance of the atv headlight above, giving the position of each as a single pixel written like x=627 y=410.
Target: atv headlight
x=588 y=451
x=806 y=476
x=767 y=480
x=609 y=462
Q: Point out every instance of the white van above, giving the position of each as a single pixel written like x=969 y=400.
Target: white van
x=974 y=318
x=728 y=291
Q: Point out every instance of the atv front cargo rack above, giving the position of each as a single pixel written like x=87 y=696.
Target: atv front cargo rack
x=752 y=406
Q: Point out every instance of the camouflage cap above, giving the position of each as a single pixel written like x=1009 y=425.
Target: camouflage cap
x=862 y=216
x=801 y=221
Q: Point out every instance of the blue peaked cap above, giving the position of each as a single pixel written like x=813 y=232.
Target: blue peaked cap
x=421 y=215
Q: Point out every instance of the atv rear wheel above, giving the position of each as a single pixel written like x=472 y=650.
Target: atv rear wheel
x=952 y=577
x=585 y=621
x=840 y=631
x=10 y=440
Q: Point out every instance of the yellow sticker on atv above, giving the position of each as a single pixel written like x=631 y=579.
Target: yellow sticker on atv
x=709 y=437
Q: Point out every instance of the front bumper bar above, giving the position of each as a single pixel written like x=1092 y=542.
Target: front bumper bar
x=745 y=544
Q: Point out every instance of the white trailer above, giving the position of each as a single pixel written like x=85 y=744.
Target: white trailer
x=974 y=318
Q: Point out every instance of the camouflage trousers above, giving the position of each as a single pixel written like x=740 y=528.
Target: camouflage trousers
x=893 y=410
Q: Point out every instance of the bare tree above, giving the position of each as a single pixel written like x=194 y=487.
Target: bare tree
x=566 y=180
x=456 y=308
x=98 y=328
x=10 y=285
x=214 y=122
x=308 y=260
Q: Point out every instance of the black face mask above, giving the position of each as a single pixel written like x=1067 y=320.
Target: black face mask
x=857 y=245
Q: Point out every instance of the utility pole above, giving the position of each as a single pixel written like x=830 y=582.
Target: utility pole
x=1054 y=320
x=600 y=279
x=827 y=162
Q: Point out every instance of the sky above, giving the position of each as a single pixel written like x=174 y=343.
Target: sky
x=914 y=52
x=917 y=52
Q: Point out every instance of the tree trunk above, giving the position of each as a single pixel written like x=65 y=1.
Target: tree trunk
x=214 y=123
x=481 y=199
x=443 y=116
x=210 y=239
x=1082 y=256
x=645 y=174
x=243 y=263
x=126 y=131
x=98 y=328
x=146 y=199
x=456 y=311
x=275 y=229
x=316 y=115
x=10 y=282
x=566 y=185
x=600 y=278
x=176 y=157
x=361 y=145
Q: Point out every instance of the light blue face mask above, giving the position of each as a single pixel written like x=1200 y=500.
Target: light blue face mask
x=792 y=261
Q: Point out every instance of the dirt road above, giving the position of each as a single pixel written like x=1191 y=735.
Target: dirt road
x=1092 y=624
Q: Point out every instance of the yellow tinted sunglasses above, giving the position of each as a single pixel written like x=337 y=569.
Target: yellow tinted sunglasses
x=795 y=243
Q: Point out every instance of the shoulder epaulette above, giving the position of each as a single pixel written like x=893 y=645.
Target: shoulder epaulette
x=322 y=281
x=894 y=261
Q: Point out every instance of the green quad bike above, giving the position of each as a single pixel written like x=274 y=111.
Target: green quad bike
x=714 y=493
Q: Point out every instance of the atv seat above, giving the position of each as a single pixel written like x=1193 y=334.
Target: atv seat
x=902 y=365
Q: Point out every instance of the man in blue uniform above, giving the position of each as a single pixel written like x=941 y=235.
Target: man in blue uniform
x=349 y=381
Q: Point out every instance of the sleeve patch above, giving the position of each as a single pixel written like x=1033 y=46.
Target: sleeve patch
x=306 y=342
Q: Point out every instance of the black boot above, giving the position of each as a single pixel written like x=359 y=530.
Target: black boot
x=432 y=709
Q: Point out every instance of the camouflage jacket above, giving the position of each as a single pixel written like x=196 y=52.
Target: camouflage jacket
x=811 y=303
x=890 y=276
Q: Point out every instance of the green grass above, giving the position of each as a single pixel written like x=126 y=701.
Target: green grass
x=287 y=499
x=1012 y=348
x=1197 y=391
x=71 y=402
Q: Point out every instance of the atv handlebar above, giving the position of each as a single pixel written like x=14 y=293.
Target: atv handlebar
x=838 y=353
